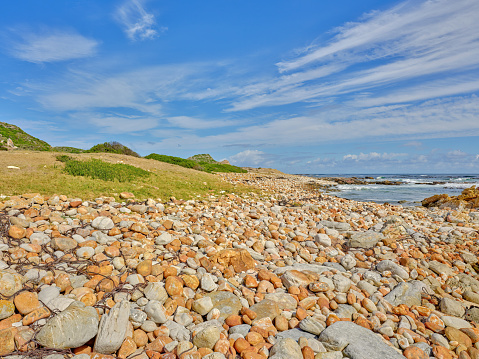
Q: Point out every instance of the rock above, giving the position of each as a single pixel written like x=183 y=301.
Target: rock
x=296 y=278
x=266 y=308
x=286 y=348
x=366 y=239
x=472 y=314
x=113 y=328
x=341 y=283
x=240 y=259
x=7 y=309
x=207 y=337
x=227 y=303
x=156 y=312
x=356 y=342
x=455 y=322
x=323 y=239
x=295 y=334
x=283 y=300
x=164 y=239
x=102 y=223
x=348 y=262
x=173 y=286
x=27 y=302
x=311 y=325
x=16 y=232
x=71 y=328
x=48 y=293
x=63 y=243
x=155 y=291
x=471 y=296
x=408 y=293
x=10 y=283
x=177 y=331
x=127 y=195
x=7 y=341
x=451 y=307
x=202 y=306
x=439 y=268
x=394 y=268
x=207 y=283
x=139 y=208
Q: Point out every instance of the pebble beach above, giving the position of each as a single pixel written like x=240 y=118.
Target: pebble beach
x=286 y=271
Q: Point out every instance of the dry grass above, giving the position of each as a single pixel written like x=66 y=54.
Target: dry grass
x=41 y=172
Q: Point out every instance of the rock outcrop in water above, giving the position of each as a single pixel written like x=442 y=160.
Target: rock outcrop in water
x=469 y=198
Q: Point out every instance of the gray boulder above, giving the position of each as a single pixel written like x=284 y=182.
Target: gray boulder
x=394 y=268
x=72 y=328
x=408 y=293
x=366 y=239
x=286 y=348
x=356 y=342
x=113 y=328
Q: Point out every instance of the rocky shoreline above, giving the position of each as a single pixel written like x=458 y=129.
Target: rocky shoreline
x=287 y=273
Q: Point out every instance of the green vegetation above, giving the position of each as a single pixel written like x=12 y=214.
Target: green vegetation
x=203 y=158
x=20 y=138
x=98 y=169
x=196 y=165
x=113 y=147
x=40 y=172
x=67 y=149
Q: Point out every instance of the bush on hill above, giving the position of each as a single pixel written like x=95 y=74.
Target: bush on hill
x=113 y=147
x=67 y=149
x=98 y=169
x=203 y=158
x=199 y=166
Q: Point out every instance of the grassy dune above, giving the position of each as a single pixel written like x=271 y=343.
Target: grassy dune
x=41 y=172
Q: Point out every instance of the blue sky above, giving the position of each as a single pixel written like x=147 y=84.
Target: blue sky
x=309 y=86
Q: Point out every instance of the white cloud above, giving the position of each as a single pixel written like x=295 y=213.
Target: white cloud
x=115 y=123
x=250 y=158
x=51 y=46
x=373 y=156
x=136 y=21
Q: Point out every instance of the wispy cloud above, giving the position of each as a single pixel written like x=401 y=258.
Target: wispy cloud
x=251 y=158
x=50 y=45
x=138 y=24
x=372 y=156
x=415 y=40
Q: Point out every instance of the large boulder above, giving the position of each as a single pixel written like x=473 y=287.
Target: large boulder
x=71 y=328
x=113 y=328
x=356 y=342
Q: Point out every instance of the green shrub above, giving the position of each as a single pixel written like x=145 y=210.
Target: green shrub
x=199 y=166
x=67 y=149
x=113 y=147
x=105 y=171
x=64 y=158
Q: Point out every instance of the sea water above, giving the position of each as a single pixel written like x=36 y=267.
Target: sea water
x=412 y=190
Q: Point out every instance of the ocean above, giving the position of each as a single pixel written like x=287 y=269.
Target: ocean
x=412 y=190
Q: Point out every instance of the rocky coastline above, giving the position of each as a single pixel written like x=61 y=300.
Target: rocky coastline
x=286 y=271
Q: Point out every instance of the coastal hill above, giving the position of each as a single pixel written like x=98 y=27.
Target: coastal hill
x=13 y=137
x=29 y=165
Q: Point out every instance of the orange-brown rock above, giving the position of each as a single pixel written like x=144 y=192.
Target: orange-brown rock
x=240 y=259
x=27 y=302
